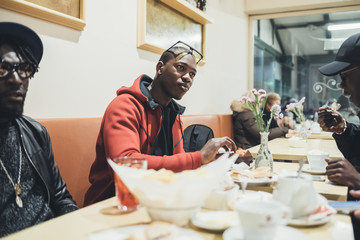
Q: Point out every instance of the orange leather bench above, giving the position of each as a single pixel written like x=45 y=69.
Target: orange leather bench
x=73 y=141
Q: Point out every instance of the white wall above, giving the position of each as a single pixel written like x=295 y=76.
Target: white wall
x=81 y=71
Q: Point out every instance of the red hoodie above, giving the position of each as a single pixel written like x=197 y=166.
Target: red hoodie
x=129 y=126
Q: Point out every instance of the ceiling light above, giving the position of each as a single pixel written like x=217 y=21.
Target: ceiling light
x=343 y=26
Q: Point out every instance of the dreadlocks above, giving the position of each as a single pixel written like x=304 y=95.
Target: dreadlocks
x=22 y=48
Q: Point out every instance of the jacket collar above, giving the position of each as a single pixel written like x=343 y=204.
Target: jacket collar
x=145 y=81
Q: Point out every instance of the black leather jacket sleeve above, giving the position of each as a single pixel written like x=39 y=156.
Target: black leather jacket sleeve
x=348 y=143
x=37 y=145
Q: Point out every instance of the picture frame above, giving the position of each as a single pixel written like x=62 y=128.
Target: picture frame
x=47 y=14
x=179 y=18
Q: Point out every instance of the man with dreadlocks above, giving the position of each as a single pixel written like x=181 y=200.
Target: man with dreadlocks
x=31 y=188
x=144 y=121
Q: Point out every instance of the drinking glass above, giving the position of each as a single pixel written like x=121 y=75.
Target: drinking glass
x=127 y=202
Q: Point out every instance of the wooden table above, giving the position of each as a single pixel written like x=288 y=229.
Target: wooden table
x=77 y=225
x=325 y=188
x=321 y=135
x=281 y=150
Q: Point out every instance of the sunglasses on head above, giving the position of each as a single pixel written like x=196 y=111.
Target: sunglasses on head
x=180 y=49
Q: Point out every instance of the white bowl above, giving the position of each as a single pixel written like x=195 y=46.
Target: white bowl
x=177 y=216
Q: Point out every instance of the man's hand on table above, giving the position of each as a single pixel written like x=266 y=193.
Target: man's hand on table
x=356 y=194
x=210 y=150
x=330 y=120
x=341 y=171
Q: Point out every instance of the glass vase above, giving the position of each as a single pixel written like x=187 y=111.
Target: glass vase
x=303 y=130
x=264 y=157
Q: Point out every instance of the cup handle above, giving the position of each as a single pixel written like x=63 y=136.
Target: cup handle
x=286 y=215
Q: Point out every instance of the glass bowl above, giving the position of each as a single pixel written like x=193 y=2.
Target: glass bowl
x=178 y=216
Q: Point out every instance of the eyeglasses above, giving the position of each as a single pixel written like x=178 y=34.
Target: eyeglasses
x=345 y=73
x=24 y=70
x=180 y=49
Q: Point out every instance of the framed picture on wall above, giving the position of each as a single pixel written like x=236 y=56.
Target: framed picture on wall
x=161 y=23
x=69 y=13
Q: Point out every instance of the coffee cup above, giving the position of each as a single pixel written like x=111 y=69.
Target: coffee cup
x=260 y=220
x=316 y=159
x=296 y=192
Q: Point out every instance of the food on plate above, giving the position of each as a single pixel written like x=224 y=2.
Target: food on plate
x=244 y=156
x=155 y=231
x=168 y=176
x=162 y=175
x=260 y=172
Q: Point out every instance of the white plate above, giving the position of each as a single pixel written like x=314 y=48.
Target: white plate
x=215 y=220
x=305 y=223
x=257 y=181
x=124 y=232
x=306 y=169
x=283 y=233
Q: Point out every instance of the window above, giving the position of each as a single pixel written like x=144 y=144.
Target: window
x=289 y=50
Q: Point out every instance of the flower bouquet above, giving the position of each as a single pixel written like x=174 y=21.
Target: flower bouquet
x=297 y=109
x=257 y=106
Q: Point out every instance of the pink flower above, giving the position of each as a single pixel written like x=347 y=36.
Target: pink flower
x=262 y=96
x=262 y=91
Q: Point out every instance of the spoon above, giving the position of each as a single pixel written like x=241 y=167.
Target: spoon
x=301 y=164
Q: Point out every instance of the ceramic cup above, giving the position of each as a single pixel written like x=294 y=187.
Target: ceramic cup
x=260 y=220
x=297 y=193
x=316 y=159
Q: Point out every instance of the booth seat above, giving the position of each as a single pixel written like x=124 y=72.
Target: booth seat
x=73 y=141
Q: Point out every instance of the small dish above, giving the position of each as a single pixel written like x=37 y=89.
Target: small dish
x=305 y=223
x=307 y=169
x=321 y=216
x=283 y=233
x=257 y=181
x=215 y=220
x=123 y=233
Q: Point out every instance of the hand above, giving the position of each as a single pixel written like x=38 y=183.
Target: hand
x=341 y=171
x=330 y=120
x=211 y=148
x=355 y=193
x=356 y=213
x=284 y=122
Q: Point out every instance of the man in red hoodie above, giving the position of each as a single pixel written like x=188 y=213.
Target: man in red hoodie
x=144 y=121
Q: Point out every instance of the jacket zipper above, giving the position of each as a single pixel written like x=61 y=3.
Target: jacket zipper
x=27 y=155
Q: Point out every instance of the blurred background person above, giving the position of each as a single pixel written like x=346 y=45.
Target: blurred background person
x=246 y=129
x=271 y=100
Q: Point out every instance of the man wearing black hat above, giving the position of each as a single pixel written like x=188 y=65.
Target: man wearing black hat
x=347 y=135
x=31 y=188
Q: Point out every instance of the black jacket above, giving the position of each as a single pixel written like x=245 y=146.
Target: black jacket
x=348 y=143
x=247 y=131
x=36 y=142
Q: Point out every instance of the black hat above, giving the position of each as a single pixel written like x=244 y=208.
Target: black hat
x=349 y=53
x=24 y=35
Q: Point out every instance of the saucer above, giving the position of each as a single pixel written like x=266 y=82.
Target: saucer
x=123 y=233
x=283 y=233
x=257 y=181
x=215 y=220
x=307 y=169
x=304 y=223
